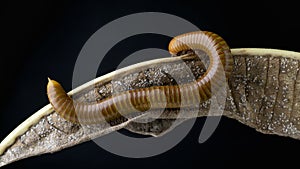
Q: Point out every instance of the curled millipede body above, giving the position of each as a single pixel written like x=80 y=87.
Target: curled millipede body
x=142 y=99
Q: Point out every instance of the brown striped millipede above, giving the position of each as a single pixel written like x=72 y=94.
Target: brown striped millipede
x=139 y=99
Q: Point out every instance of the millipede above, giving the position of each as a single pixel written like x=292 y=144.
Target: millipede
x=142 y=99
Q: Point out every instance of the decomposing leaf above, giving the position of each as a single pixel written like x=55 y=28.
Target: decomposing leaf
x=262 y=93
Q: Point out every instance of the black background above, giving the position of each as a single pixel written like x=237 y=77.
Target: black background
x=41 y=39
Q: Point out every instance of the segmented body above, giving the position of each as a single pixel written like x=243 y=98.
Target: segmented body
x=142 y=99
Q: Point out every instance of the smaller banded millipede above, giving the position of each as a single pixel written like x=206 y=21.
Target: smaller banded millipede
x=139 y=99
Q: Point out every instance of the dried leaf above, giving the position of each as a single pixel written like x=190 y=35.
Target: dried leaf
x=261 y=94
